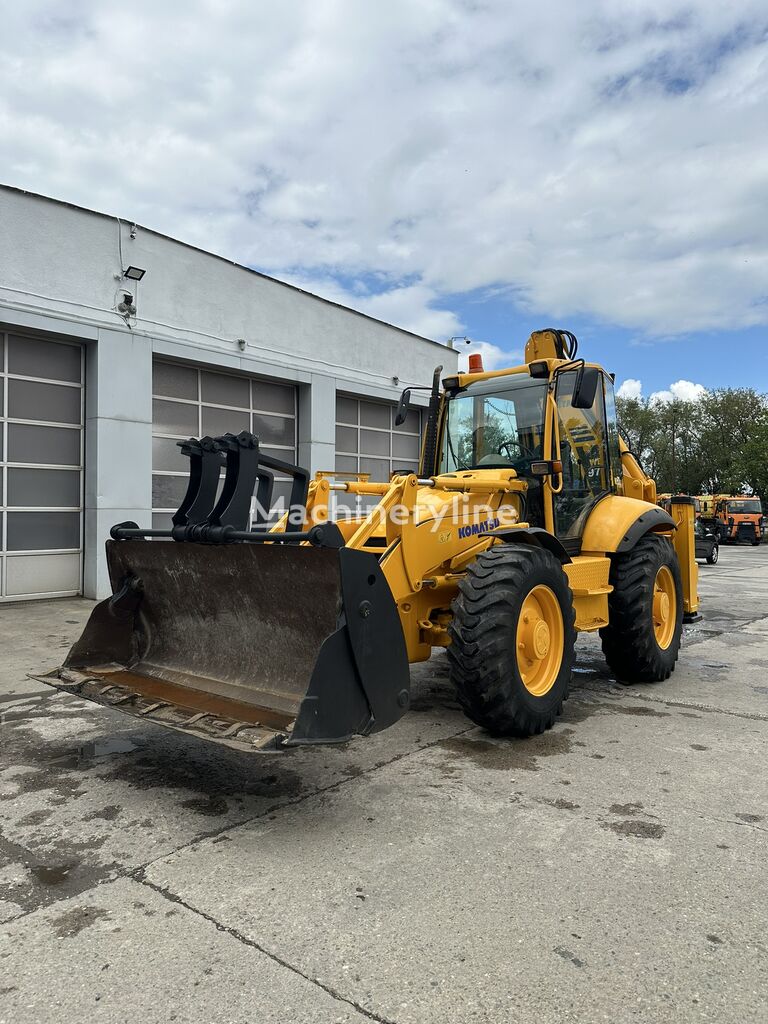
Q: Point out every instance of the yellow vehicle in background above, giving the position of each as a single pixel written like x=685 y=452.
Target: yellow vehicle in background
x=735 y=518
x=665 y=500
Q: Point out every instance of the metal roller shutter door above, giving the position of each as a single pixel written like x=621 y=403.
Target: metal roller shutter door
x=41 y=467
x=190 y=402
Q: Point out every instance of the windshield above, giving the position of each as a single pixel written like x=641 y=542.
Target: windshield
x=497 y=423
x=750 y=506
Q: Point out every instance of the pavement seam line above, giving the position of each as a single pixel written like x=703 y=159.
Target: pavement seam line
x=750 y=715
x=293 y=801
x=134 y=872
x=235 y=934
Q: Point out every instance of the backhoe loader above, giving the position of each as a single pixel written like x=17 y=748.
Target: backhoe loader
x=529 y=520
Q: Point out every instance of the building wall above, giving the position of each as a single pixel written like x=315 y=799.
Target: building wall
x=60 y=275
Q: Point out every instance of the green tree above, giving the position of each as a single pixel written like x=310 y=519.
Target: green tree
x=639 y=427
x=731 y=421
x=753 y=458
x=717 y=445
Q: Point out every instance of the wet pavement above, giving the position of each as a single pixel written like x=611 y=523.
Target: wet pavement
x=612 y=869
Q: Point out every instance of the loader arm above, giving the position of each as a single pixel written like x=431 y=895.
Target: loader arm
x=636 y=482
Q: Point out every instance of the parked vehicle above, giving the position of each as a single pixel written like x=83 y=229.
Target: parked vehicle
x=707 y=542
x=735 y=518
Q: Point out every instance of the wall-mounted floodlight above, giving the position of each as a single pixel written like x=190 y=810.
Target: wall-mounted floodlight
x=134 y=273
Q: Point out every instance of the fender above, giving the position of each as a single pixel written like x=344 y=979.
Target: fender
x=617 y=524
x=533 y=535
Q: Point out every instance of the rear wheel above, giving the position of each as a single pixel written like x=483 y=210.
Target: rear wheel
x=645 y=612
x=512 y=640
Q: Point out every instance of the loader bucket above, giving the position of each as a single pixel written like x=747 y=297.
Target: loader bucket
x=259 y=646
x=257 y=640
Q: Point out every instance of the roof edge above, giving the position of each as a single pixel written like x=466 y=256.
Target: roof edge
x=215 y=256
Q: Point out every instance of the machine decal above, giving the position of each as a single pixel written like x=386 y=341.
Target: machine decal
x=477 y=528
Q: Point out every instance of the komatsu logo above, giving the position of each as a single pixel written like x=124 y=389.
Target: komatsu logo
x=478 y=528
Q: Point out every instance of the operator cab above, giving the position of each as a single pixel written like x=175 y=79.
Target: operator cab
x=498 y=424
x=506 y=422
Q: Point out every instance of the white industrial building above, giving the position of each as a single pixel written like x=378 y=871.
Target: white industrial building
x=101 y=374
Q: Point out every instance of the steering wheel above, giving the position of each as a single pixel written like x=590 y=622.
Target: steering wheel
x=523 y=452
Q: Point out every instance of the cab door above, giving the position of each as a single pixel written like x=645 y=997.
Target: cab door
x=584 y=451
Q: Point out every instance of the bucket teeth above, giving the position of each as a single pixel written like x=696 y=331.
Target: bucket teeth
x=241 y=735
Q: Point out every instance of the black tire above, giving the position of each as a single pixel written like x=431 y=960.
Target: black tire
x=713 y=555
x=629 y=641
x=756 y=542
x=483 y=651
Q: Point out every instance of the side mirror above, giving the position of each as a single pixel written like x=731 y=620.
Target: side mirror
x=585 y=387
x=402 y=407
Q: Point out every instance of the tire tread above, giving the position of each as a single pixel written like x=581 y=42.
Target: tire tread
x=482 y=647
x=629 y=643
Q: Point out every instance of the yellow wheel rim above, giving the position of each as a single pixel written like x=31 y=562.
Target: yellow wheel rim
x=539 y=640
x=664 y=607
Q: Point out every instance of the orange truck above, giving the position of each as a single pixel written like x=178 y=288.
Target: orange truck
x=736 y=518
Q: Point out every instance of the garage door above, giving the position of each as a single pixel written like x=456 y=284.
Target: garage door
x=41 y=467
x=367 y=440
x=191 y=402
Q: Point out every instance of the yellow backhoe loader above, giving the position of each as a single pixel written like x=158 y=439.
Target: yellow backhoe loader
x=529 y=521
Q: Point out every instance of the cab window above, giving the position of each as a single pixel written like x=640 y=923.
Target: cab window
x=495 y=425
x=612 y=436
x=584 y=453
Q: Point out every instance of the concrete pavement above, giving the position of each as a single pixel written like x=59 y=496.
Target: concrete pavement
x=612 y=869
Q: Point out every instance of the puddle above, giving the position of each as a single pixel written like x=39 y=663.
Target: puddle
x=52 y=874
x=73 y=921
x=212 y=805
x=104 y=748
x=626 y=809
x=640 y=710
x=502 y=755
x=637 y=829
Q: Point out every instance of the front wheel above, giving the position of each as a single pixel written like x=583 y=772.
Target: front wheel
x=713 y=555
x=512 y=640
x=645 y=612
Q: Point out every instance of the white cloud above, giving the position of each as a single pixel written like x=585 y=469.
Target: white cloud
x=683 y=390
x=630 y=388
x=687 y=391
x=605 y=160
x=410 y=307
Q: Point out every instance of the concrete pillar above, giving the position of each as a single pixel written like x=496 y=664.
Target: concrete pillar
x=317 y=423
x=118 y=444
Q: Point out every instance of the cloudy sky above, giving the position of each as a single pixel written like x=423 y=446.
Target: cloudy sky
x=458 y=167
